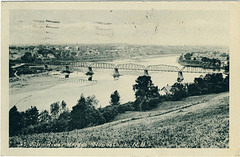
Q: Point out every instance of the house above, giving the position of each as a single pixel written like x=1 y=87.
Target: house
x=40 y=56
x=166 y=90
x=77 y=48
x=50 y=56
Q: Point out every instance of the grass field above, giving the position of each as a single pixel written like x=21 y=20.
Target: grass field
x=196 y=122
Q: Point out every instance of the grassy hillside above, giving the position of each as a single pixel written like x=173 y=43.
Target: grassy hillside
x=196 y=122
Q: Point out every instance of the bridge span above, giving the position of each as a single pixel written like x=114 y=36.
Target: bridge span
x=130 y=66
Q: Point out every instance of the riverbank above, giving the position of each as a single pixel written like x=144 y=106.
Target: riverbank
x=195 y=122
x=33 y=82
x=197 y=64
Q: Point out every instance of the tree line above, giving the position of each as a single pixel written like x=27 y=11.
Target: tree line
x=60 y=118
x=204 y=61
x=86 y=114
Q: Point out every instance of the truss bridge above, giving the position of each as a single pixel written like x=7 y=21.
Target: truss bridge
x=139 y=67
x=130 y=66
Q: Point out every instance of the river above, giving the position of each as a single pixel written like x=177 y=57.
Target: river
x=102 y=86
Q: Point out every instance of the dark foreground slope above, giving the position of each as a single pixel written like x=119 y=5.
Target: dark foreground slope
x=196 y=122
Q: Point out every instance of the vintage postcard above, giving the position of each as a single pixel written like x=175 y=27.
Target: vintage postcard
x=120 y=78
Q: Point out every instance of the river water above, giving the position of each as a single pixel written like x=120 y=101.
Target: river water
x=102 y=86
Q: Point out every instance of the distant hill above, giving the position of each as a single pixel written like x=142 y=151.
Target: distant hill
x=80 y=51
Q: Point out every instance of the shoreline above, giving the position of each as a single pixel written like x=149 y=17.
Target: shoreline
x=32 y=82
x=200 y=65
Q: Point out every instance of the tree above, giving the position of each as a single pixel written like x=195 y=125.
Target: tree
x=74 y=53
x=188 y=56
x=115 y=98
x=62 y=123
x=15 y=121
x=179 y=91
x=43 y=52
x=44 y=116
x=144 y=88
x=85 y=114
x=63 y=107
x=214 y=82
x=199 y=87
x=54 y=109
x=27 y=57
x=92 y=101
x=144 y=91
x=31 y=116
x=211 y=83
x=64 y=115
x=193 y=89
x=109 y=113
x=205 y=59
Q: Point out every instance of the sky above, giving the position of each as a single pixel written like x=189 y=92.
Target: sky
x=148 y=27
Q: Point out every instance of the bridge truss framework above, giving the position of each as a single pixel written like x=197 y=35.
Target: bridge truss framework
x=130 y=66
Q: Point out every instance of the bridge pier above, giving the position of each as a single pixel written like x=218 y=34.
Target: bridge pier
x=116 y=73
x=67 y=68
x=146 y=72
x=180 y=76
x=90 y=71
x=90 y=78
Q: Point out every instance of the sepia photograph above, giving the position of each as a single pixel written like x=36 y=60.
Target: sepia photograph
x=118 y=77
